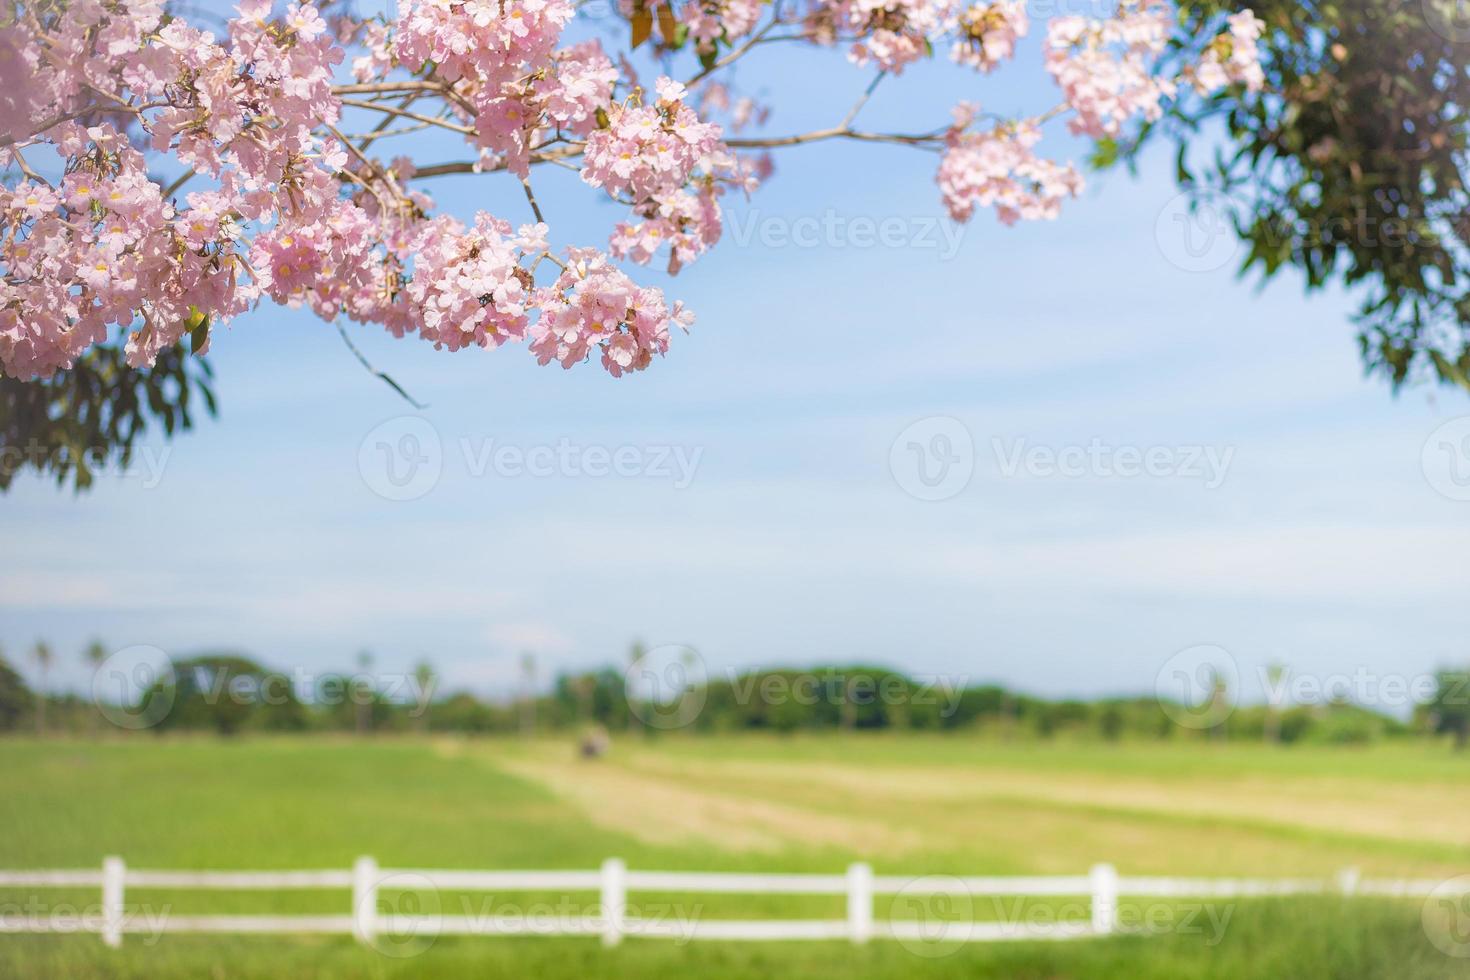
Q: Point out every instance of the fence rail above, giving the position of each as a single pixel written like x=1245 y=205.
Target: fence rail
x=1102 y=888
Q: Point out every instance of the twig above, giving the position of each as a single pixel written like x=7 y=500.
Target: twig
x=173 y=188
x=374 y=371
x=862 y=100
x=838 y=132
x=395 y=111
x=531 y=196
x=739 y=52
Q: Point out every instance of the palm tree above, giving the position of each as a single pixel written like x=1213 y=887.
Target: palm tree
x=1218 y=705
x=1275 y=700
x=635 y=656
x=363 y=693
x=43 y=656
x=424 y=676
x=528 y=693
x=94 y=655
x=686 y=707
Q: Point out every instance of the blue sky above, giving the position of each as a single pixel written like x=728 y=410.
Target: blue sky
x=1324 y=544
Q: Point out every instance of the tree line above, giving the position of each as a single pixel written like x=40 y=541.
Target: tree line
x=230 y=693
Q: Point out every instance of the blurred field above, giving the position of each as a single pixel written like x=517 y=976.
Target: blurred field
x=908 y=804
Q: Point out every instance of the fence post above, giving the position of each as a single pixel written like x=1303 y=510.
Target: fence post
x=614 y=900
x=365 y=899
x=1104 y=879
x=114 y=872
x=1347 y=880
x=859 y=902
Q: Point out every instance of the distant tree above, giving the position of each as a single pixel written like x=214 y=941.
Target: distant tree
x=362 y=693
x=1275 y=701
x=44 y=658
x=687 y=707
x=425 y=680
x=636 y=654
x=1218 y=701
x=228 y=693
x=528 y=693
x=94 y=655
x=585 y=686
x=15 y=697
x=1450 y=705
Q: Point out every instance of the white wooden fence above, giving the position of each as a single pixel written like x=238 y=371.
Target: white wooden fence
x=1102 y=888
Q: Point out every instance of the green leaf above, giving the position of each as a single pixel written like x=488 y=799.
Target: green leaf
x=198 y=330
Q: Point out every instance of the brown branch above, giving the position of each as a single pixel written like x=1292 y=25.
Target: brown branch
x=837 y=132
x=395 y=111
x=55 y=121
x=388 y=88
x=531 y=197
x=757 y=38
x=474 y=167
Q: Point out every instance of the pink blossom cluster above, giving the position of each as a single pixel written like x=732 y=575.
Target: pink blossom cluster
x=102 y=250
x=564 y=98
x=688 y=224
x=671 y=168
x=887 y=33
x=711 y=20
x=594 y=307
x=272 y=200
x=332 y=264
x=1105 y=67
x=105 y=249
x=999 y=167
x=487 y=42
x=646 y=150
x=469 y=287
x=1232 y=58
x=986 y=33
x=504 y=56
x=24 y=95
x=245 y=113
x=248 y=114
x=377 y=45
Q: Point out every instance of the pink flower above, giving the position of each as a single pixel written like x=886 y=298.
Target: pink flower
x=988 y=33
x=593 y=306
x=1233 y=57
x=1104 y=67
x=1000 y=169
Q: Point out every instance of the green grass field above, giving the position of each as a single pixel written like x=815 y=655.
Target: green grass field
x=908 y=804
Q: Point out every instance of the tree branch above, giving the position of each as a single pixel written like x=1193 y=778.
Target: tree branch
x=416 y=117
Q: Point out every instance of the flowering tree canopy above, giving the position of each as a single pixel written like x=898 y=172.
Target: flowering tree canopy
x=264 y=195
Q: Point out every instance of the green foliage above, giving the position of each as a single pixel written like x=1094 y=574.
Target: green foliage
x=71 y=423
x=1349 y=167
x=226 y=693
x=1450 y=707
x=15 y=697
